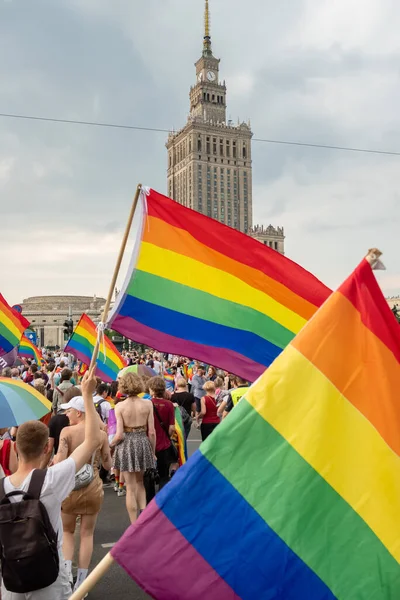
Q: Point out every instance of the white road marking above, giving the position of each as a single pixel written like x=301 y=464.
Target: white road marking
x=108 y=545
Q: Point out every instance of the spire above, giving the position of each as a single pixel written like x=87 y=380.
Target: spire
x=207 y=51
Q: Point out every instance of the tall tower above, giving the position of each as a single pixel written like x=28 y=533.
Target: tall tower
x=209 y=159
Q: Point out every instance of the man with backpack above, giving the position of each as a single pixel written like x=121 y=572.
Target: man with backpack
x=31 y=529
x=101 y=403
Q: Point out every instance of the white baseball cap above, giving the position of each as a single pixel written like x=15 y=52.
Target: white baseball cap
x=77 y=403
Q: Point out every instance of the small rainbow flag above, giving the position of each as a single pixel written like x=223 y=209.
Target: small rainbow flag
x=169 y=380
x=297 y=492
x=82 y=368
x=180 y=435
x=27 y=349
x=81 y=344
x=198 y=288
x=12 y=327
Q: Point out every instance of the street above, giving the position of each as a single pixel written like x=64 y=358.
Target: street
x=113 y=521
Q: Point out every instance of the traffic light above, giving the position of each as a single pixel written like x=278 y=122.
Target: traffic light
x=69 y=328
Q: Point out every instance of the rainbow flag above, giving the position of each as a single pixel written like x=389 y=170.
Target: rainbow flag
x=82 y=368
x=188 y=371
x=201 y=289
x=169 y=380
x=306 y=468
x=180 y=437
x=81 y=344
x=12 y=327
x=27 y=349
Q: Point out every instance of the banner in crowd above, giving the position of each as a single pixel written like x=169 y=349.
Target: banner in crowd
x=201 y=289
x=12 y=327
x=81 y=344
x=296 y=493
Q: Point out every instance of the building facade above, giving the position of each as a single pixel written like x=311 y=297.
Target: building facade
x=273 y=237
x=209 y=160
x=47 y=315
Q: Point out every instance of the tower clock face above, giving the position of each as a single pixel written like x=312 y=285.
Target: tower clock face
x=211 y=76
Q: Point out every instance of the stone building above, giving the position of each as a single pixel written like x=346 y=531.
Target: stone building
x=274 y=237
x=210 y=158
x=47 y=315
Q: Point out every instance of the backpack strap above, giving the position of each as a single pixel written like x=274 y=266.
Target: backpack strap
x=2 y=489
x=36 y=484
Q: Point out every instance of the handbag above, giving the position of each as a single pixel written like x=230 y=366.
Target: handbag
x=84 y=476
x=174 y=449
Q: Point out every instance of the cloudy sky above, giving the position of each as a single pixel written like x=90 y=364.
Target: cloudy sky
x=304 y=70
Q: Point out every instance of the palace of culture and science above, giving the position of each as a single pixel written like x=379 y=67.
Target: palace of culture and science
x=209 y=159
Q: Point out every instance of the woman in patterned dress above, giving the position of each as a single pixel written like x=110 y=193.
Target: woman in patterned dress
x=134 y=442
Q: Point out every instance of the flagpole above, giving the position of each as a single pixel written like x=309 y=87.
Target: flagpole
x=115 y=274
x=93 y=578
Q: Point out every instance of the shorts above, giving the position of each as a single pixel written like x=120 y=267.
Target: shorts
x=87 y=500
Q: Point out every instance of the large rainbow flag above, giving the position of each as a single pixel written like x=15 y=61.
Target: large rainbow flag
x=27 y=349
x=12 y=327
x=198 y=288
x=296 y=495
x=81 y=344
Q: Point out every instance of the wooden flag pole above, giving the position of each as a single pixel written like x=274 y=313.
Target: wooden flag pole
x=116 y=272
x=93 y=578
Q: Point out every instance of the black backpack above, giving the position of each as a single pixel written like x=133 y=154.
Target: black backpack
x=28 y=543
x=98 y=408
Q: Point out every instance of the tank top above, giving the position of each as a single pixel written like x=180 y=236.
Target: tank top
x=211 y=410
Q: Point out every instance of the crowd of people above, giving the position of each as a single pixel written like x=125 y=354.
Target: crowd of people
x=121 y=434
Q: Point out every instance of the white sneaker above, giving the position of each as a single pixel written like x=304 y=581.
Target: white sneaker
x=121 y=492
x=116 y=487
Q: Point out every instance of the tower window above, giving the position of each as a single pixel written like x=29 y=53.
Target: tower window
x=199 y=144
x=244 y=152
x=213 y=97
x=228 y=148
x=234 y=149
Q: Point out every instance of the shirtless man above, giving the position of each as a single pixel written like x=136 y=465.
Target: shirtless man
x=135 y=442
x=85 y=502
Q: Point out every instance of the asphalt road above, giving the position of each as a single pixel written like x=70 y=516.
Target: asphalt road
x=113 y=521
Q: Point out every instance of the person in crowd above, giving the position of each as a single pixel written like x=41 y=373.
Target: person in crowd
x=211 y=374
x=186 y=400
x=208 y=414
x=198 y=382
x=234 y=396
x=8 y=455
x=58 y=422
x=39 y=385
x=157 y=364
x=61 y=388
x=15 y=373
x=135 y=442
x=6 y=372
x=119 y=481
x=220 y=392
x=87 y=501
x=164 y=421
x=101 y=401
x=32 y=440
x=29 y=374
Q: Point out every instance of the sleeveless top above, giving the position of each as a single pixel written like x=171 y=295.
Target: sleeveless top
x=211 y=411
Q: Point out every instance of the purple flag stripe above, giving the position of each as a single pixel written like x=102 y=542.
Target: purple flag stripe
x=163 y=342
x=154 y=567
